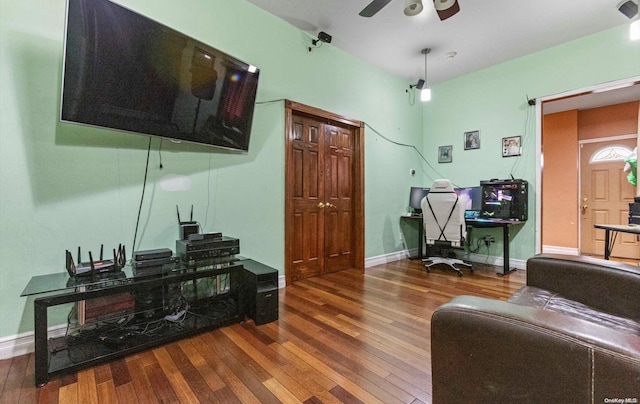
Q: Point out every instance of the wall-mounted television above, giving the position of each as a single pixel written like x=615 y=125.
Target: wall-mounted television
x=127 y=72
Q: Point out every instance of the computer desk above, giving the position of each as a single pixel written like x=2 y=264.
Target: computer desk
x=615 y=229
x=420 y=232
x=504 y=224
x=478 y=223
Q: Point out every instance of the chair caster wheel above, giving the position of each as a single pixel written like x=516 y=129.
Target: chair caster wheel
x=460 y=274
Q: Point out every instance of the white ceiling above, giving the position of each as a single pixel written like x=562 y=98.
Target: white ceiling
x=483 y=33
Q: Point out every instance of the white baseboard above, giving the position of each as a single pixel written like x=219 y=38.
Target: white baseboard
x=22 y=344
x=490 y=260
x=386 y=258
x=552 y=249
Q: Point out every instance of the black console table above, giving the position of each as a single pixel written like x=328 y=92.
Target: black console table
x=205 y=297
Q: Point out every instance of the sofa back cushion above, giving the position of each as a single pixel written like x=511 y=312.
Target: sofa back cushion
x=605 y=285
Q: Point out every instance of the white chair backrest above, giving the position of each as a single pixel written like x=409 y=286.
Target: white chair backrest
x=443 y=214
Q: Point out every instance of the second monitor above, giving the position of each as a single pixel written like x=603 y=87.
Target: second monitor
x=415 y=198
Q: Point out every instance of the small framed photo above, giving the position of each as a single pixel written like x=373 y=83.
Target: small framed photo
x=472 y=140
x=445 y=154
x=511 y=146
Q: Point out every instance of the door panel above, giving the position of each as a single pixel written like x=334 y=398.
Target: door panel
x=339 y=194
x=605 y=197
x=307 y=216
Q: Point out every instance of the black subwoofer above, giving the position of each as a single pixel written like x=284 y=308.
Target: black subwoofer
x=260 y=297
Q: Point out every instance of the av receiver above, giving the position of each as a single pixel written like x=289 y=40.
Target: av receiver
x=206 y=249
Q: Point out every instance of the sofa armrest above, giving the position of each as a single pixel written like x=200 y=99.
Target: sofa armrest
x=485 y=350
x=605 y=285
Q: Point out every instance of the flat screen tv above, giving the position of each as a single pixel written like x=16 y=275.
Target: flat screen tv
x=127 y=72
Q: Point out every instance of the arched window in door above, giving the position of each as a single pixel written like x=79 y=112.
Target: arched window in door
x=610 y=154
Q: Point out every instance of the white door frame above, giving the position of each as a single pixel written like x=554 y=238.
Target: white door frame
x=539 y=156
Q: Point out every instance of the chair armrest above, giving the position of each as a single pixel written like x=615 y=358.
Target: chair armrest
x=605 y=285
x=486 y=350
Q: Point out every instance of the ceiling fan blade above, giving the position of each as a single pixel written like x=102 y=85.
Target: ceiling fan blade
x=446 y=8
x=373 y=8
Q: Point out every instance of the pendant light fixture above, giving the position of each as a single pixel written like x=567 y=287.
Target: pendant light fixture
x=425 y=91
x=630 y=9
x=634 y=29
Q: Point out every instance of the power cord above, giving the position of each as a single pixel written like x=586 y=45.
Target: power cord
x=144 y=186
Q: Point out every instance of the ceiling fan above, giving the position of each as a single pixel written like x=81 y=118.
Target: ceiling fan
x=445 y=8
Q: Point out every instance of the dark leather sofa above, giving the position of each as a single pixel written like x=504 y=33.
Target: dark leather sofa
x=571 y=335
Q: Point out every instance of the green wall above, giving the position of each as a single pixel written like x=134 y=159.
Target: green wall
x=63 y=186
x=494 y=101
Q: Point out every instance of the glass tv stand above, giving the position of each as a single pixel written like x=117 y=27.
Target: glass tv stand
x=116 y=313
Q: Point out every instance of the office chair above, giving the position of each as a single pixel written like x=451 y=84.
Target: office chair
x=444 y=225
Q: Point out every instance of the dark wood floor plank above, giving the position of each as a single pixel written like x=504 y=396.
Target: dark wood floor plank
x=48 y=394
x=244 y=384
x=350 y=336
x=29 y=393
x=107 y=394
x=87 y=391
x=172 y=373
x=15 y=379
x=5 y=365
x=142 y=388
x=160 y=384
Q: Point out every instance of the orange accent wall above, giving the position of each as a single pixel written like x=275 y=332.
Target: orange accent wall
x=560 y=179
x=614 y=120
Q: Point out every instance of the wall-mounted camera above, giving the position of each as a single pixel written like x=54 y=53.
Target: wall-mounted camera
x=323 y=37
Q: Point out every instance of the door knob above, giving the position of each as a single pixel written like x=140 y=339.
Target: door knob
x=321 y=205
x=584 y=208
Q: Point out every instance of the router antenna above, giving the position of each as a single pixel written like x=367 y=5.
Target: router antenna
x=101 y=251
x=79 y=256
x=191 y=218
x=178 y=212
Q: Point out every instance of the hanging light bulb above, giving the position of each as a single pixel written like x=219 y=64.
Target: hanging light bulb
x=425 y=93
x=634 y=30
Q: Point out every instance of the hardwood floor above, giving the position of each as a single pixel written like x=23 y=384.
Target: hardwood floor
x=345 y=337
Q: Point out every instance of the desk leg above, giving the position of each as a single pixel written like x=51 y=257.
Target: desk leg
x=505 y=251
x=607 y=247
x=420 y=239
x=41 y=349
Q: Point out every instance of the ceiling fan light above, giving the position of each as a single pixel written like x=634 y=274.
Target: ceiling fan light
x=425 y=94
x=412 y=7
x=446 y=8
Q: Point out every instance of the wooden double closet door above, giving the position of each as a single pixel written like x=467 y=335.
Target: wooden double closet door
x=324 y=200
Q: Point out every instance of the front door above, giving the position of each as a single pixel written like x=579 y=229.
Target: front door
x=605 y=197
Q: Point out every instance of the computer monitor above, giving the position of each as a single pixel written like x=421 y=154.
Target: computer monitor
x=473 y=201
x=415 y=198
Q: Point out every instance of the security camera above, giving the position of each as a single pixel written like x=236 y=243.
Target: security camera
x=322 y=37
x=628 y=8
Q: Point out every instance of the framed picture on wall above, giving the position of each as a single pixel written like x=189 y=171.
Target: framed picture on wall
x=445 y=154
x=472 y=140
x=511 y=146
